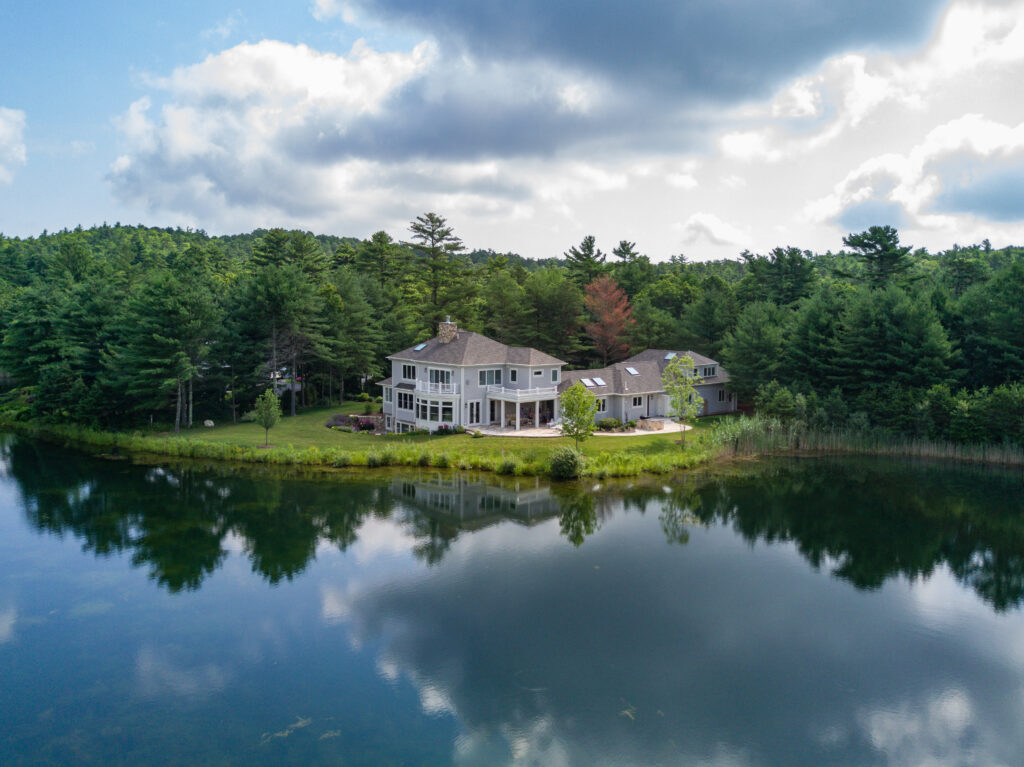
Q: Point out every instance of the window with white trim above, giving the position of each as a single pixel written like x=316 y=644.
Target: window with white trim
x=602 y=405
x=409 y=372
x=490 y=377
x=405 y=400
x=513 y=375
x=554 y=375
x=638 y=401
x=538 y=373
x=708 y=371
x=474 y=412
x=387 y=422
x=721 y=395
x=387 y=393
x=436 y=376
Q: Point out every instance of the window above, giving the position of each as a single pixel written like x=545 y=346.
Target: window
x=633 y=371
x=434 y=411
x=554 y=375
x=474 y=412
x=420 y=347
x=387 y=422
x=490 y=377
x=670 y=356
x=602 y=405
x=405 y=400
x=599 y=381
x=638 y=401
x=721 y=395
x=421 y=409
x=436 y=376
x=409 y=372
x=513 y=375
x=446 y=412
x=387 y=393
x=538 y=373
x=707 y=371
x=587 y=382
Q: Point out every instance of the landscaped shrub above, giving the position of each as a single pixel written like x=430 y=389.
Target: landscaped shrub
x=507 y=465
x=631 y=424
x=477 y=434
x=565 y=463
x=609 y=424
x=363 y=397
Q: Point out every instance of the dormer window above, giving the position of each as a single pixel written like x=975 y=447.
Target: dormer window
x=708 y=371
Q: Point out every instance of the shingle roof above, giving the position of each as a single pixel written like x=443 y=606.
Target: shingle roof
x=469 y=348
x=657 y=356
x=385 y=382
x=649 y=366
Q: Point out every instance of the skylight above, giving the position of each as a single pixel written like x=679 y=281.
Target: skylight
x=420 y=347
x=599 y=381
x=587 y=382
x=670 y=355
x=633 y=371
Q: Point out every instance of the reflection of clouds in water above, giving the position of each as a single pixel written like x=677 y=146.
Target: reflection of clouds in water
x=335 y=604
x=940 y=731
x=945 y=605
x=381 y=537
x=158 y=675
x=8 y=618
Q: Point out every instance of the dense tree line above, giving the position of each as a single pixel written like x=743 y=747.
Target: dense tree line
x=117 y=325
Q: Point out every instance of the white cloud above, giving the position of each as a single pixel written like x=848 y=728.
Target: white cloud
x=12 y=142
x=224 y=28
x=710 y=228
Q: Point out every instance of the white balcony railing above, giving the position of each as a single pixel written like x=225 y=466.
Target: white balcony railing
x=535 y=393
x=425 y=387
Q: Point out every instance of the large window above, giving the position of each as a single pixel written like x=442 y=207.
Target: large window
x=474 y=412
x=490 y=377
x=446 y=412
x=409 y=372
x=439 y=376
x=405 y=400
x=638 y=401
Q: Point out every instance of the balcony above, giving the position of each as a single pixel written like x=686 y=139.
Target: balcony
x=423 y=387
x=539 y=392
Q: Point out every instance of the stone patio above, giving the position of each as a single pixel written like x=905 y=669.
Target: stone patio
x=547 y=431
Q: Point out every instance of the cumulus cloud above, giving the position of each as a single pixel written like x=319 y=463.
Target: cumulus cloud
x=710 y=228
x=12 y=142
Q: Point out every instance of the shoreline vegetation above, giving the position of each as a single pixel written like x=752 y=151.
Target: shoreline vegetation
x=309 y=445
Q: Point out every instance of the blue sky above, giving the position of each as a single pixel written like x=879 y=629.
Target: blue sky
x=686 y=126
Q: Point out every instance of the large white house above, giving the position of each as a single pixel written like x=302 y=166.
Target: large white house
x=461 y=378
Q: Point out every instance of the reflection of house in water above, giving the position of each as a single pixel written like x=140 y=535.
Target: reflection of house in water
x=475 y=503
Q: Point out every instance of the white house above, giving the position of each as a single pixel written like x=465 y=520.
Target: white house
x=461 y=378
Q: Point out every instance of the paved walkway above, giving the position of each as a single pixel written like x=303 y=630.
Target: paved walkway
x=547 y=431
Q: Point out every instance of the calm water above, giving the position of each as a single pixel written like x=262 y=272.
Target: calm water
x=796 y=613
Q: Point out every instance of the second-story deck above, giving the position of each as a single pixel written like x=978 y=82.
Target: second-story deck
x=425 y=387
x=536 y=393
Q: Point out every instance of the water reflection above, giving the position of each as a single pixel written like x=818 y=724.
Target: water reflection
x=861 y=520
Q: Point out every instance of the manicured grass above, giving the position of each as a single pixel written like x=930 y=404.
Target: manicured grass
x=307 y=429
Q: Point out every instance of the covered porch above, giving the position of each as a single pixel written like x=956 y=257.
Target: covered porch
x=517 y=409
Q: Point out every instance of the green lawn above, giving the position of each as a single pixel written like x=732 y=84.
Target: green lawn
x=307 y=429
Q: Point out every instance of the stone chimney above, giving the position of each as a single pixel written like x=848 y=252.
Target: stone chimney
x=447 y=330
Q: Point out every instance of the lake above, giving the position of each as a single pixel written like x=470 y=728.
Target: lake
x=787 y=612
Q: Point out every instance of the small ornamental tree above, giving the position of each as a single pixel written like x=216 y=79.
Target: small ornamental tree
x=680 y=381
x=578 y=410
x=268 y=411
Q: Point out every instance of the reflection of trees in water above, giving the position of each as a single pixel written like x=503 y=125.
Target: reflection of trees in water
x=867 y=521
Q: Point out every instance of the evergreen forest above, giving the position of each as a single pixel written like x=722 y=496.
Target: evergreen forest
x=120 y=326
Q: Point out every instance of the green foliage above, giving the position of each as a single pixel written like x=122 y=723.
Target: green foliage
x=578 y=410
x=267 y=412
x=754 y=350
x=680 y=380
x=565 y=463
x=609 y=424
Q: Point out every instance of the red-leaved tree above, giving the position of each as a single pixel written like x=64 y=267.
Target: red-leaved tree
x=613 y=317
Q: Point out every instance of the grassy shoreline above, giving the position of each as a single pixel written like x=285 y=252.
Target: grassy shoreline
x=304 y=441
